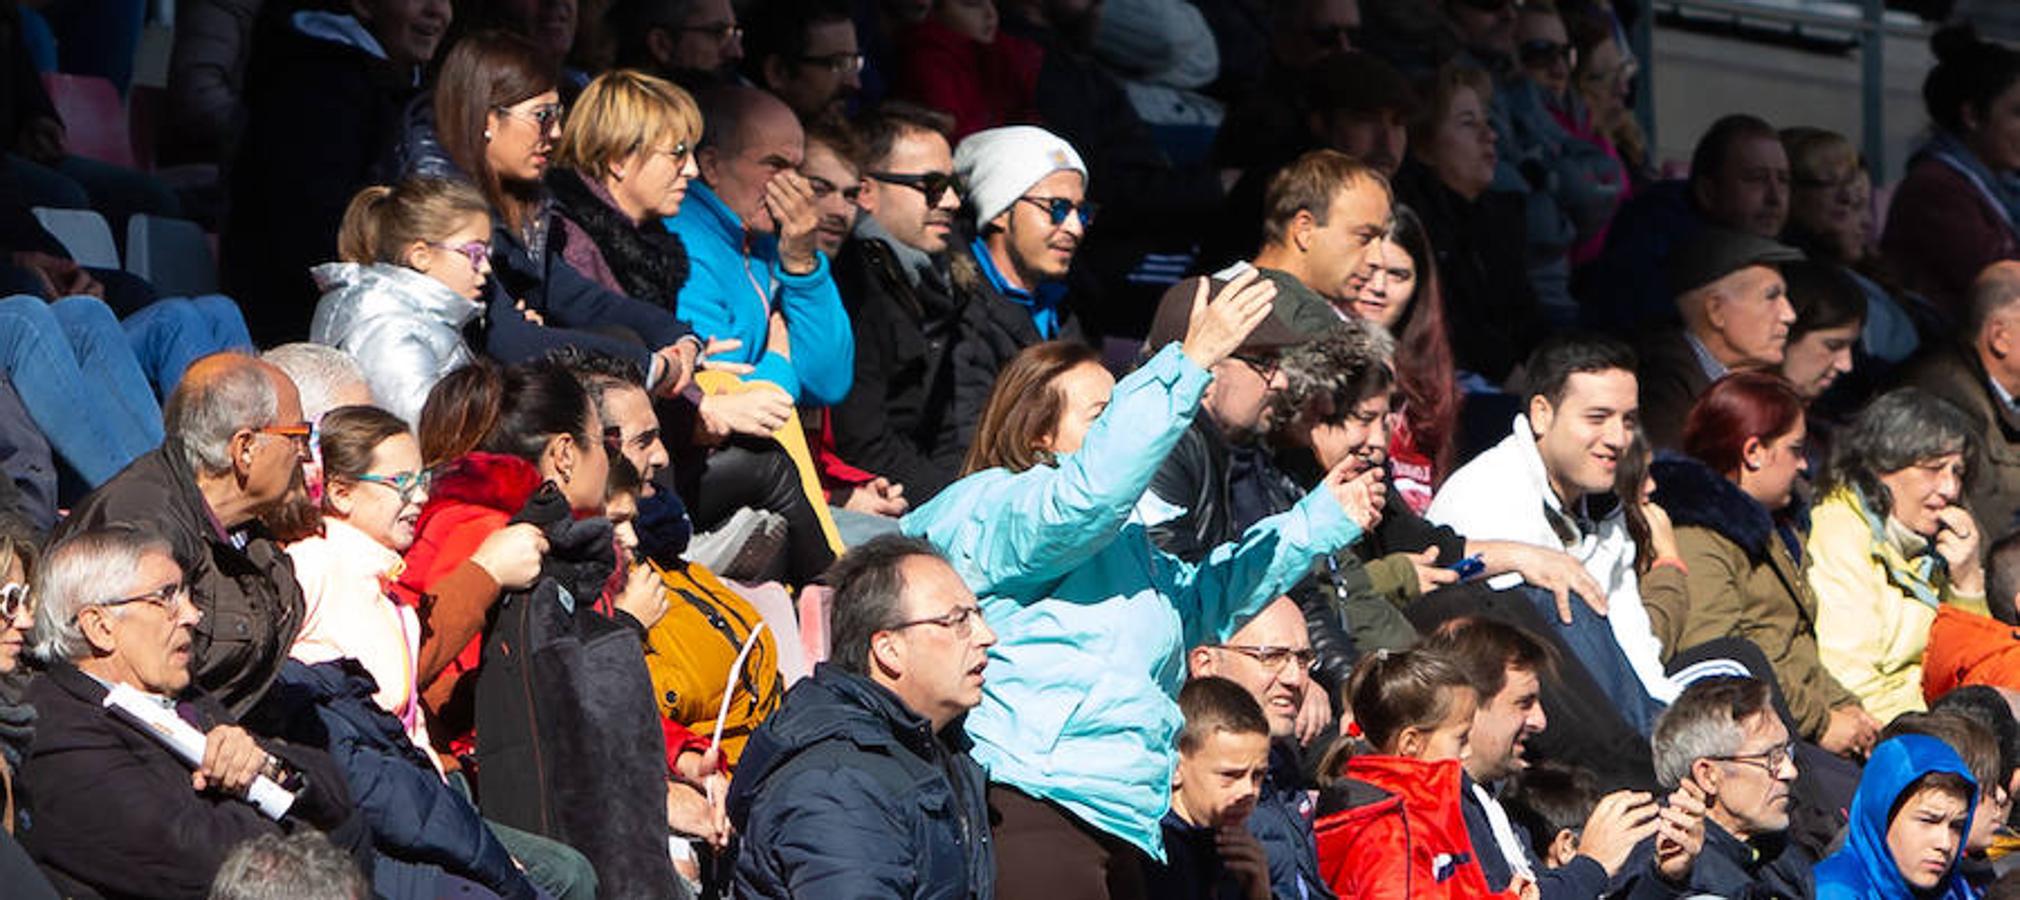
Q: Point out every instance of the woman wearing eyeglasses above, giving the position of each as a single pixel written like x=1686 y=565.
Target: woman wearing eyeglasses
x=625 y=160
x=17 y=720
x=1077 y=722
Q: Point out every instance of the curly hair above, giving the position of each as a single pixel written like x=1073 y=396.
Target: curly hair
x=1329 y=375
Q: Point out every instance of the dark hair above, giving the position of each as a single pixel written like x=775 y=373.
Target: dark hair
x=1824 y=296
x=1741 y=405
x=1946 y=782
x=1213 y=704
x=1896 y=430
x=633 y=22
x=1486 y=649
x=600 y=373
x=1968 y=72
x=1973 y=743
x=778 y=28
x=1715 y=149
x=513 y=411
x=1390 y=691
x=1425 y=372
x=882 y=127
x=1551 y=797
x=623 y=479
x=2002 y=571
x=1357 y=82
x=346 y=438
x=839 y=136
x=1628 y=478
x=1024 y=407
x=1984 y=705
x=485 y=72
x=869 y=595
x=1550 y=366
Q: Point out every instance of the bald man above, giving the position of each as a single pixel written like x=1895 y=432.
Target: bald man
x=1982 y=376
x=756 y=273
x=236 y=440
x=1271 y=658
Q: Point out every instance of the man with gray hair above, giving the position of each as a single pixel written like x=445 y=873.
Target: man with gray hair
x=1981 y=375
x=860 y=784
x=1723 y=736
x=236 y=442
x=329 y=378
x=115 y=808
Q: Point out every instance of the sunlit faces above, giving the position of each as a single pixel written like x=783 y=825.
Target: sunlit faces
x=1749 y=790
x=1036 y=248
x=143 y=632
x=1240 y=397
x=461 y=261
x=1582 y=437
x=1218 y=782
x=1084 y=391
x=1819 y=358
x=1926 y=833
x=1263 y=657
x=1749 y=315
x=1451 y=737
x=637 y=431
x=522 y=137
x=17 y=614
x=907 y=211
x=1388 y=283
x=771 y=143
x=837 y=185
x=1362 y=431
x=381 y=504
x=932 y=663
x=1502 y=726
x=652 y=183
x=1335 y=252
x=581 y=467
x=1924 y=489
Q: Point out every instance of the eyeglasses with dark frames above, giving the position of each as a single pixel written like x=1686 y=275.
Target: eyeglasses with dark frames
x=961 y=620
x=1058 y=209
x=1273 y=657
x=723 y=32
x=1265 y=367
x=1773 y=759
x=474 y=251
x=934 y=185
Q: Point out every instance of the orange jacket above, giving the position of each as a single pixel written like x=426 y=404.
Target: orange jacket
x=1404 y=839
x=1968 y=648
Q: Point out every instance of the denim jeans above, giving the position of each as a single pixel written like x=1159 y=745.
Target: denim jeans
x=74 y=369
x=167 y=335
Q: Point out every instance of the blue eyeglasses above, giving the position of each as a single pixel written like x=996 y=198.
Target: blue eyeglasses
x=1059 y=208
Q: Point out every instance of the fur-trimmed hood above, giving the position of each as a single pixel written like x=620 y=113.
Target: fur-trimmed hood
x=650 y=263
x=1693 y=494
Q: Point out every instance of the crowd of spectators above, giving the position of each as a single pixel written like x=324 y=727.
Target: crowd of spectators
x=1056 y=450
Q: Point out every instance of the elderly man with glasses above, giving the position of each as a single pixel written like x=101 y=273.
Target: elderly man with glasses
x=236 y=443
x=1724 y=736
x=861 y=784
x=1271 y=657
x=113 y=807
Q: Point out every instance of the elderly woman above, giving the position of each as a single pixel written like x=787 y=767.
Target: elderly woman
x=625 y=160
x=1891 y=544
x=115 y=809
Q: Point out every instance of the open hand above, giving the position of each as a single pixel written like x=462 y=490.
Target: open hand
x=1218 y=327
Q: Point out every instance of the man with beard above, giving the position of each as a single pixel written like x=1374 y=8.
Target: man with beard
x=236 y=441
x=696 y=44
x=805 y=52
x=834 y=169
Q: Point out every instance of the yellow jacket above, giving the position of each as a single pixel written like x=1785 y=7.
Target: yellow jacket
x=689 y=652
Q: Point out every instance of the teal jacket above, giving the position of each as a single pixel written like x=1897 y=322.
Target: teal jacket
x=735 y=281
x=1092 y=621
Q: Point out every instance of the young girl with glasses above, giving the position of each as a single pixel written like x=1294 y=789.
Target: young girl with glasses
x=415 y=257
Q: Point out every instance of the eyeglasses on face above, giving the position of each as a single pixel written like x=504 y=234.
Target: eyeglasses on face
x=1772 y=759
x=546 y=115
x=474 y=251
x=1543 y=53
x=836 y=63
x=405 y=484
x=1058 y=209
x=961 y=620
x=1265 y=367
x=1272 y=657
x=170 y=597
x=298 y=433
x=723 y=32
x=14 y=597
x=934 y=185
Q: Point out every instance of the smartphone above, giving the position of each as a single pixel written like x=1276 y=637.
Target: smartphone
x=1469 y=567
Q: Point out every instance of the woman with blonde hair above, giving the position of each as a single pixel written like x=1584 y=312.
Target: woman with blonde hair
x=626 y=157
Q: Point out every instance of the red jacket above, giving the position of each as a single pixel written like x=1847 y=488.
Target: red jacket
x=474 y=497
x=1405 y=839
x=980 y=85
x=1941 y=232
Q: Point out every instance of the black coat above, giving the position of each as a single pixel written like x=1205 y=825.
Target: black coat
x=1769 y=868
x=252 y=605
x=321 y=119
x=113 y=809
x=1194 y=478
x=650 y=262
x=1483 y=271
x=927 y=355
x=415 y=817
x=846 y=792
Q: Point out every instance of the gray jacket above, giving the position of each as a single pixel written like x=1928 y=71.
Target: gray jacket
x=404 y=329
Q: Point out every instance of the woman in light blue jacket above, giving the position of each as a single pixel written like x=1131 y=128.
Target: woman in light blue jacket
x=1077 y=724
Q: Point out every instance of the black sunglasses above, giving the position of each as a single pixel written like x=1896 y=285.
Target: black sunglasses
x=1543 y=53
x=934 y=185
x=1059 y=208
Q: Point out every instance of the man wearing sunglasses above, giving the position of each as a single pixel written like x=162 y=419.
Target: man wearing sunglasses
x=236 y=443
x=915 y=298
x=1028 y=188
x=861 y=785
x=1724 y=736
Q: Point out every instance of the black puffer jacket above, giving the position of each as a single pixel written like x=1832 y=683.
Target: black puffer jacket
x=844 y=792
x=1194 y=478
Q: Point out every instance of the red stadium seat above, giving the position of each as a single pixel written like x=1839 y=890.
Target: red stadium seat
x=94 y=118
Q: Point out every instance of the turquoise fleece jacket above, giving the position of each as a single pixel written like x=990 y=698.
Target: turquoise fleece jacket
x=1092 y=620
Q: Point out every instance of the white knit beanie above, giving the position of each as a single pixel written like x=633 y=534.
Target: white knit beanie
x=1000 y=164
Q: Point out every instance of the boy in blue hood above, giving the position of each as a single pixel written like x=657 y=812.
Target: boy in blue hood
x=1907 y=828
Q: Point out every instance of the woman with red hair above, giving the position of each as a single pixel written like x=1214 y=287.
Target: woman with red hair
x=1740 y=528
x=1400 y=293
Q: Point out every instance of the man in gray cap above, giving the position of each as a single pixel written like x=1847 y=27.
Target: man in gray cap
x=1736 y=315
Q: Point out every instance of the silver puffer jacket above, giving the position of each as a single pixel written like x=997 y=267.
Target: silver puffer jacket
x=404 y=329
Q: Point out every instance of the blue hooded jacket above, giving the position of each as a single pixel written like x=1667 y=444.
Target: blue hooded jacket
x=1864 y=869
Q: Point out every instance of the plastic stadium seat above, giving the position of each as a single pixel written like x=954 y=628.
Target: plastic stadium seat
x=94 y=118
x=173 y=254
x=816 y=604
x=83 y=233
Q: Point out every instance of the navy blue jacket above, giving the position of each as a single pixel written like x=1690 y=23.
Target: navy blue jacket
x=846 y=793
x=1728 y=867
x=415 y=817
x=1282 y=823
x=1191 y=869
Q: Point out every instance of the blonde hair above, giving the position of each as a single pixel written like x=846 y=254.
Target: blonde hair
x=382 y=221
x=1818 y=155
x=622 y=112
